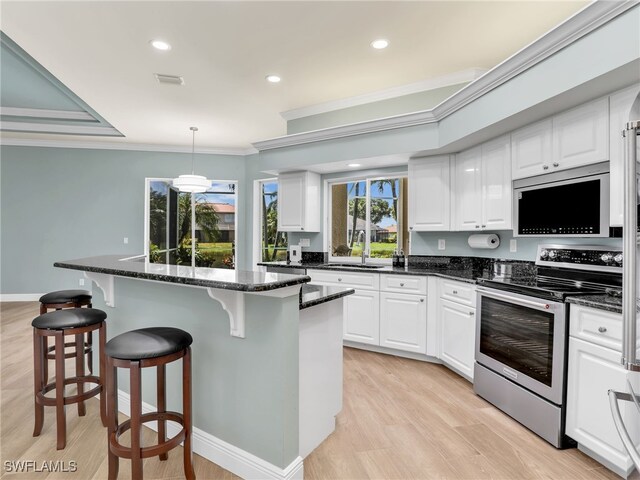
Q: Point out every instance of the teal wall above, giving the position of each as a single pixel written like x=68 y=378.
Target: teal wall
x=390 y=107
x=61 y=204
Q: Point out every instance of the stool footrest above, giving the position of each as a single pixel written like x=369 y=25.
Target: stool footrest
x=51 y=350
x=154 y=450
x=41 y=399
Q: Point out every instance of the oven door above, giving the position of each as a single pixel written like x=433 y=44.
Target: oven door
x=523 y=339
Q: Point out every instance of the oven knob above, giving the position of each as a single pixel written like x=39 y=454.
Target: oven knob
x=552 y=254
x=544 y=254
x=606 y=257
x=618 y=259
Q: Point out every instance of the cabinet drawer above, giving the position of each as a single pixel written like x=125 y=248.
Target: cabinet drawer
x=362 y=281
x=596 y=326
x=403 y=284
x=464 y=293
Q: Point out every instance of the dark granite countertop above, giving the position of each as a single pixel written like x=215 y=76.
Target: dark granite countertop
x=311 y=294
x=238 y=280
x=463 y=269
x=606 y=302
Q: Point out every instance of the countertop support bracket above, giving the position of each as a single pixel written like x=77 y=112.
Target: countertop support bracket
x=233 y=304
x=106 y=284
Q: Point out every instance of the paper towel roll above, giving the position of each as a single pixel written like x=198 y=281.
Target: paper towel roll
x=489 y=240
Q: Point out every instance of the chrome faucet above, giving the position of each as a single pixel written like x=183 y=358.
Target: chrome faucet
x=364 y=256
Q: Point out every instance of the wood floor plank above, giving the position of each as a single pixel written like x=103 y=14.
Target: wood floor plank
x=401 y=419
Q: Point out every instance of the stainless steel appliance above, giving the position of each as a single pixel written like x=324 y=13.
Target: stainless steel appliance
x=522 y=333
x=570 y=203
x=630 y=358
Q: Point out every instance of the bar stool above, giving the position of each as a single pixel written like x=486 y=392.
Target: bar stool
x=67 y=299
x=135 y=350
x=58 y=324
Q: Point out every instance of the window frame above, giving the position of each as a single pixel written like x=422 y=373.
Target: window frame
x=257 y=214
x=368 y=179
x=147 y=207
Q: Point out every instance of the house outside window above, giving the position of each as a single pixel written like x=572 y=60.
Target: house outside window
x=368 y=214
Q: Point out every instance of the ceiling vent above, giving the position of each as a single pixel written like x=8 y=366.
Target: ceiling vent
x=169 y=79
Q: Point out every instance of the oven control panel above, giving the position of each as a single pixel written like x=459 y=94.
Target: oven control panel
x=597 y=258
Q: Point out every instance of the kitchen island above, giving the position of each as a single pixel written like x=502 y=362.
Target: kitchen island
x=267 y=355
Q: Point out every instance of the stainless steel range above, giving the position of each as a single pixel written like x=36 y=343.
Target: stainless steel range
x=522 y=333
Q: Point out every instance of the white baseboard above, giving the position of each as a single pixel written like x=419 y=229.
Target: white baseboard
x=227 y=456
x=20 y=297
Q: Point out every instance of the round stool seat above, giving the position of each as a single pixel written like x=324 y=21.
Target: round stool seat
x=66 y=296
x=148 y=343
x=69 y=318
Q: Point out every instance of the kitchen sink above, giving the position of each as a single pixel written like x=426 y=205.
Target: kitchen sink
x=352 y=265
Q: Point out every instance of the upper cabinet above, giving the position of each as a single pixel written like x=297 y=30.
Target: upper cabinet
x=429 y=194
x=483 y=186
x=577 y=137
x=299 y=202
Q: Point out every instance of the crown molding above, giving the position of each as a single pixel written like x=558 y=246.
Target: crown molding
x=135 y=147
x=575 y=27
x=106 y=131
x=455 y=78
x=46 y=114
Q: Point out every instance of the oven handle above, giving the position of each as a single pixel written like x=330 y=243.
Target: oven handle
x=517 y=301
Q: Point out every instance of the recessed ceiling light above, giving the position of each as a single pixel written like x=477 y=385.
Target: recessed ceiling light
x=353 y=165
x=273 y=78
x=160 y=45
x=380 y=44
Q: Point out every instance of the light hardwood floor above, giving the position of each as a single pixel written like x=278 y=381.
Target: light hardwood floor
x=401 y=419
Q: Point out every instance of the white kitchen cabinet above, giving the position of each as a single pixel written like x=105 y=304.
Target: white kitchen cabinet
x=581 y=135
x=362 y=317
x=592 y=371
x=429 y=194
x=531 y=150
x=403 y=322
x=457 y=334
x=299 y=202
x=483 y=186
x=622 y=110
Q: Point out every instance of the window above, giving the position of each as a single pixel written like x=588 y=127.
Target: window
x=169 y=229
x=273 y=244
x=369 y=215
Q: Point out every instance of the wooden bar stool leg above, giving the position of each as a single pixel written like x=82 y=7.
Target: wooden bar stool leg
x=39 y=357
x=111 y=390
x=162 y=405
x=90 y=354
x=186 y=412
x=43 y=309
x=60 y=412
x=102 y=340
x=45 y=359
x=82 y=410
x=136 y=411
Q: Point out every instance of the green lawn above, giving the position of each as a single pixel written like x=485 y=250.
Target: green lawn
x=378 y=250
x=215 y=247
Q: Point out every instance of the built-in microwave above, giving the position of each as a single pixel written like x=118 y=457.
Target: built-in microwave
x=569 y=203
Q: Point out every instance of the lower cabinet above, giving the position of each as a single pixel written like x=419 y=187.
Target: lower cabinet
x=592 y=371
x=361 y=318
x=403 y=322
x=457 y=335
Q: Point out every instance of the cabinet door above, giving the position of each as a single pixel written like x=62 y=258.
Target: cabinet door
x=496 y=184
x=291 y=202
x=468 y=198
x=531 y=150
x=457 y=336
x=362 y=317
x=593 y=370
x=429 y=194
x=581 y=135
x=403 y=322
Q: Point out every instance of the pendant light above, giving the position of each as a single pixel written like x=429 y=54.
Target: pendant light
x=192 y=183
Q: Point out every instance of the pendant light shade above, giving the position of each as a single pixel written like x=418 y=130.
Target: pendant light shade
x=192 y=183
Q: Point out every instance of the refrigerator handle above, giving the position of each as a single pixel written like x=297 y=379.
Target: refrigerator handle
x=614 y=397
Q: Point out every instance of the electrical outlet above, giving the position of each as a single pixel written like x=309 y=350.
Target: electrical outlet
x=441 y=244
x=81 y=282
x=304 y=242
x=126 y=240
x=513 y=245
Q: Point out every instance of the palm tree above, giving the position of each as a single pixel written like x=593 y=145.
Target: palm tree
x=356 y=206
x=206 y=217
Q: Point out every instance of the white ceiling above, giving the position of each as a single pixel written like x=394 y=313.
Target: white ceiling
x=101 y=51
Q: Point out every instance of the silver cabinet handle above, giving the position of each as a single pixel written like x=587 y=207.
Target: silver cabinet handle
x=484 y=226
x=477 y=226
x=545 y=167
x=556 y=164
x=410 y=228
x=402 y=284
x=455 y=292
x=471 y=314
x=339 y=279
x=422 y=300
x=602 y=329
x=301 y=228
